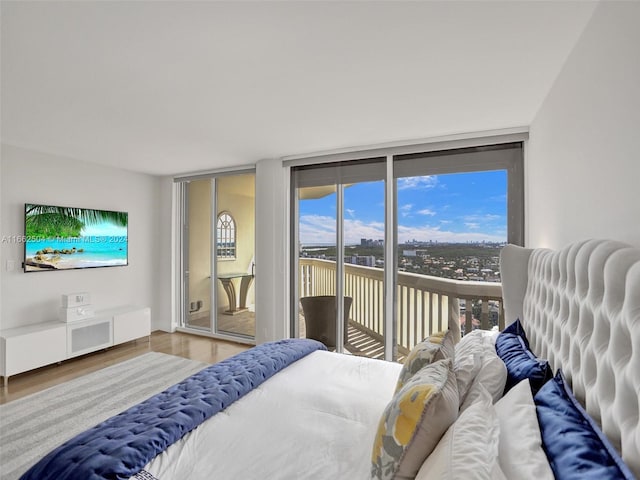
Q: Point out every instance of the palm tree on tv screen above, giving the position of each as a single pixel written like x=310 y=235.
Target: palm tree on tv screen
x=49 y=221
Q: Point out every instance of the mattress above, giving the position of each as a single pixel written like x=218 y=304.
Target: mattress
x=315 y=419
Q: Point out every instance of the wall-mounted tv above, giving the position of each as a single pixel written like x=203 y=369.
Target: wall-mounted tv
x=64 y=238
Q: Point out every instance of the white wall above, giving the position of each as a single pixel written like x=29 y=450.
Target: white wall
x=272 y=252
x=162 y=269
x=33 y=177
x=583 y=163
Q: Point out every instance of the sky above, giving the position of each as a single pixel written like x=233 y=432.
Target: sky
x=459 y=207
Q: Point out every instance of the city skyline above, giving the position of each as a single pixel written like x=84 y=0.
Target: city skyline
x=453 y=208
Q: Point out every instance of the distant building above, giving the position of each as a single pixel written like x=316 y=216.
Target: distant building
x=364 y=260
x=409 y=253
x=368 y=242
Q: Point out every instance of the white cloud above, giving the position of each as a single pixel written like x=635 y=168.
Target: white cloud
x=317 y=229
x=406 y=234
x=427 y=211
x=418 y=183
x=472 y=225
x=405 y=210
x=351 y=212
x=488 y=217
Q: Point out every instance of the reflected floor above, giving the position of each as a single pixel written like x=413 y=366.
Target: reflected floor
x=243 y=323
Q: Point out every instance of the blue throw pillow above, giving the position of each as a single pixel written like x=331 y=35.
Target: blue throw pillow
x=516 y=329
x=575 y=446
x=512 y=347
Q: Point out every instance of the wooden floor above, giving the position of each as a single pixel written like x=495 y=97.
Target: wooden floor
x=362 y=344
x=203 y=349
x=195 y=347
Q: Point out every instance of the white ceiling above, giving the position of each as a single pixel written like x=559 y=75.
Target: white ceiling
x=178 y=86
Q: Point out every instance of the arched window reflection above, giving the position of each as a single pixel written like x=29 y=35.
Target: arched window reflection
x=226 y=236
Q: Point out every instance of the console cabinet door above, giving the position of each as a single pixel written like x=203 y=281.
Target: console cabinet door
x=130 y=325
x=35 y=349
x=86 y=336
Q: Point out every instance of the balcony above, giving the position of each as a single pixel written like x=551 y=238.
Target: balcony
x=424 y=305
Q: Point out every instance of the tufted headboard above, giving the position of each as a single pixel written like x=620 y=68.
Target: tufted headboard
x=580 y=308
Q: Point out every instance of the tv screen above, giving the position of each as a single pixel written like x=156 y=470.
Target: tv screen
x=64 y=238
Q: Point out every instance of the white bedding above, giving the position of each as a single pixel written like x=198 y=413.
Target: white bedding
x=317 y=419
x=301 y=424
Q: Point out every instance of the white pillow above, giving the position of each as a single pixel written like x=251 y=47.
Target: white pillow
x=467 y=361
x=497 y=473
x=469 y=343
x=521 y=453
x=492 y=375
x=475 y=336
x=469 y=448
x=466 y=368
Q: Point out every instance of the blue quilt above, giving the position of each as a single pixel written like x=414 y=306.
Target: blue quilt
x=121 y=446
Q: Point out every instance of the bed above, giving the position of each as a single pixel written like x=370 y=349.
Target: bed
x=292 y=410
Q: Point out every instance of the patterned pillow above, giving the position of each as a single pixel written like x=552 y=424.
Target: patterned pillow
x=436 y=347
x=414 y=421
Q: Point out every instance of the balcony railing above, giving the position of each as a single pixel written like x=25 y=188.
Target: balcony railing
x=425 y=304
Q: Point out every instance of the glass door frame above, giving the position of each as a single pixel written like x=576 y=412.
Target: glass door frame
x=182 y=256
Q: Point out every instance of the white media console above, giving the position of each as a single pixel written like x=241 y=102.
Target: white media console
x=34 y=346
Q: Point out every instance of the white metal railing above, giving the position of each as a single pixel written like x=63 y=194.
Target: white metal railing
x=425 y=304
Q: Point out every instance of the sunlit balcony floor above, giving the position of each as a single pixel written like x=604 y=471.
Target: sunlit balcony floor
x=359 y=342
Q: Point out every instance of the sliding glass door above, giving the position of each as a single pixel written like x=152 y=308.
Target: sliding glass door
x=403 y=246
x=339 y=218
x=218 y=262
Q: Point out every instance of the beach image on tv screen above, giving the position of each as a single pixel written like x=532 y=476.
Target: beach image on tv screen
x=62 y=238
